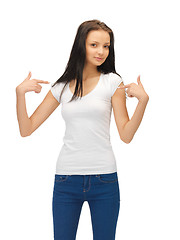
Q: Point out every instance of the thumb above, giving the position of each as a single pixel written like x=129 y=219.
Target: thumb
x=138 y=80
x=29 y=76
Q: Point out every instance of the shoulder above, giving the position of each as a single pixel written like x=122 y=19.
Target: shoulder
x=56 y=89
x=57 y=86
x=113 y=81
x=114 y=77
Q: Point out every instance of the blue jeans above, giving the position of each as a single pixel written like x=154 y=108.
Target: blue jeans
x=102 y=193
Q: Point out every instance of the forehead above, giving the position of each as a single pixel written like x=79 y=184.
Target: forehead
x=98 y=35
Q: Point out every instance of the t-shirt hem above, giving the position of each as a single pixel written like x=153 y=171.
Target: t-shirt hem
x=94 y=172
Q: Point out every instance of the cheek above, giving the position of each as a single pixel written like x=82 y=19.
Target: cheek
x=107 y=53
x=90 y=52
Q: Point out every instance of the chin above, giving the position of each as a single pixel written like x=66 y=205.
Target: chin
x=99 y=63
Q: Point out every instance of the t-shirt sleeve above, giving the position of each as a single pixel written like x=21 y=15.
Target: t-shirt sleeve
x=56 y=90
x=115 y=81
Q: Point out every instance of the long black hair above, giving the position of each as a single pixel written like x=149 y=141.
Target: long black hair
x=75 y=65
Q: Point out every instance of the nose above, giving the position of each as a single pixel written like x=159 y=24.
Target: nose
x=100 y=50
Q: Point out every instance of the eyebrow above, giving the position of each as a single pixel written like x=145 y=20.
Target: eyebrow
x=98 y=42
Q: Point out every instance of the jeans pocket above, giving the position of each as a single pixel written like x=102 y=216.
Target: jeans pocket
x=61 y=178
x=108 y=177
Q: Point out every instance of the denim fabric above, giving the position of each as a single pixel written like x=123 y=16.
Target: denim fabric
x=102 y=193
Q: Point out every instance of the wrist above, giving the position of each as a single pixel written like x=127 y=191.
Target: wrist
x=19 y=91
x=144 y=98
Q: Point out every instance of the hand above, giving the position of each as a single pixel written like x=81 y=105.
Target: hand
x=30 y=85
x=134 y=90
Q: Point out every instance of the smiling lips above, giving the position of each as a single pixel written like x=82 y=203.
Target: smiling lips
x=99 y=59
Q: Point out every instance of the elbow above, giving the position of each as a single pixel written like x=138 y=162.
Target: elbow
x=126 y=140
x=25 y=134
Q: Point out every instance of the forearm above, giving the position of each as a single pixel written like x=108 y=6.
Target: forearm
x=22 y=116
x=132 y=125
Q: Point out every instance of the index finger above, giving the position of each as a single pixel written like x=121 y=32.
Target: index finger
x=125 y=86
x=41 y=81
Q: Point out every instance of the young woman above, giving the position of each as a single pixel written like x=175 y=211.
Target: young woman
x=86 y=166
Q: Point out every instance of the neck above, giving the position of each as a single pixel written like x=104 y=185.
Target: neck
x=89 y=71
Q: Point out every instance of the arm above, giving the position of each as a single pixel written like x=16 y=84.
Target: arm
x=23 y=119
x=132 y=125
x=120 y=112
x=28 y=125
x=127 y=128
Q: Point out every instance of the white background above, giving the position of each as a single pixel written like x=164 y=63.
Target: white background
x=37 y=36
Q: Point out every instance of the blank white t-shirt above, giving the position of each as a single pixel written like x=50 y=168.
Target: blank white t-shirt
x=87 y=147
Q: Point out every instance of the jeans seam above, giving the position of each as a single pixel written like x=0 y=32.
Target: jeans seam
x=99 y=177
x=89 y=185
x=62 y=180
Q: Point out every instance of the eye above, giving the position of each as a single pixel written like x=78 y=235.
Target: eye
x=107 y=46
x=93 y=44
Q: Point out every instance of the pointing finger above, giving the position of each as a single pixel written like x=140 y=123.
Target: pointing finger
x=125 y=86
x=41 y=81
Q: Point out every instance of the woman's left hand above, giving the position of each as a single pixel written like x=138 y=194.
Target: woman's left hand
x=136 y=90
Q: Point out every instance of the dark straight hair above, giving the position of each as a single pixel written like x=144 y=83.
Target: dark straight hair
x=75 y=65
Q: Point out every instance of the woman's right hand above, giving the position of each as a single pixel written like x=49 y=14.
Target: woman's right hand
x=30 y=85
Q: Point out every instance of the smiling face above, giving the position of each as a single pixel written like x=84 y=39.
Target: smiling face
x=97 y=47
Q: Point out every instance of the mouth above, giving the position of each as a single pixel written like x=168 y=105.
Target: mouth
x=98 y=59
